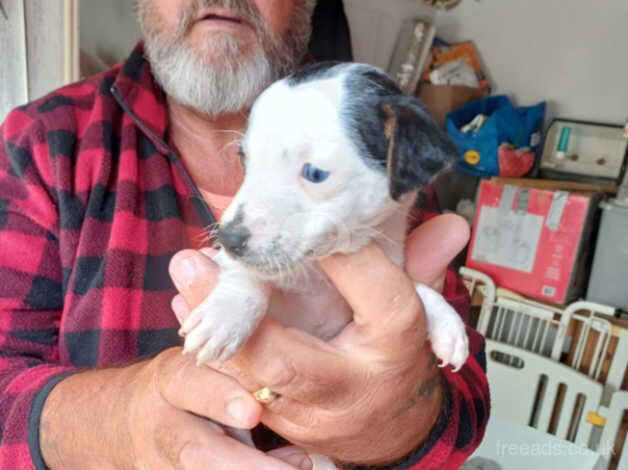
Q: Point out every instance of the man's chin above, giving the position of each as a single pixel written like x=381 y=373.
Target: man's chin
x=216 y=40
x=218 y=59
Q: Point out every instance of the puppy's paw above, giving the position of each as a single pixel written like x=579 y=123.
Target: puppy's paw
x=447 y=331
x=320 y=462
x=217 y=328
x=215 y=338
x=450 y=343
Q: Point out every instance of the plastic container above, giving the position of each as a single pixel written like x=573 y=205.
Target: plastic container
x=608 y=283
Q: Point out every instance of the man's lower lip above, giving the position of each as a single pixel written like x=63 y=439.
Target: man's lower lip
x=223 y=23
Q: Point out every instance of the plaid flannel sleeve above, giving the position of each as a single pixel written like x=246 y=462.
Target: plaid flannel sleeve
x=31 y=282
x=461 y=425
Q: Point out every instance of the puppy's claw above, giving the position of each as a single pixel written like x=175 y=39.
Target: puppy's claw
x=210 y=353
x=194 y=319
x=187 y=349
x=451 y=348
x=193 y=341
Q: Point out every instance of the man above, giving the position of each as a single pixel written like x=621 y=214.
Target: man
x=101 y=183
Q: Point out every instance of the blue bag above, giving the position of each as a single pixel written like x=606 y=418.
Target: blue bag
x=520 y=127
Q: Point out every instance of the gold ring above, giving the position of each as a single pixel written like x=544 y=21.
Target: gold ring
x=265 y=395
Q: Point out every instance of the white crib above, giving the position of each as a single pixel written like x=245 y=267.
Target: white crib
x=546 y=367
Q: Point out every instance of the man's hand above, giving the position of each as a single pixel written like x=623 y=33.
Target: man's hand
x=373 y=393
x=170 y=402
x=153 y=415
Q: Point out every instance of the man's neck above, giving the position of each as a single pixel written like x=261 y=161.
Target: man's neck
x=208 y=146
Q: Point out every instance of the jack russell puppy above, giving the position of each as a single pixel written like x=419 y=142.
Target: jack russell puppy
x=334 y=156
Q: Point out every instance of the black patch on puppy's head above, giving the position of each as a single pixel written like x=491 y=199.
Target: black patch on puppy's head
x=393 y=131
x=418 y=149
x=390 y=130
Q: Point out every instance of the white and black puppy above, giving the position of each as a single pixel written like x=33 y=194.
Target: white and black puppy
x=334 y=156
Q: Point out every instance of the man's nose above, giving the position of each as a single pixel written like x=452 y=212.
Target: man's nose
x=234 y=238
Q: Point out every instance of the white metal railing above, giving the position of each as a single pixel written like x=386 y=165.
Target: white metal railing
x=578 y=337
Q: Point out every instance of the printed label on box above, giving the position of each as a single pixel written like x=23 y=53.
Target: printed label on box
x=556 y=209
x=501 y=239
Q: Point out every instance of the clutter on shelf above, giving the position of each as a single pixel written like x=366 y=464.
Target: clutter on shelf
x=538 y=237
x=455 y=64
x=440 y=100
x=455 y=72
x=453 y=77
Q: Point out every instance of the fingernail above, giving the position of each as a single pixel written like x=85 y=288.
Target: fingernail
x=186 y=273
x=301 y=461
x=239 y=409
x=180 y=309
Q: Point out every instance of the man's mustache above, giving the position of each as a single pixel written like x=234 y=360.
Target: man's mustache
x=244 y=8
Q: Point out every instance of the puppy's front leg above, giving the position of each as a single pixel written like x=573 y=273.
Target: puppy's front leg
x=227 y=317
x=447 y=331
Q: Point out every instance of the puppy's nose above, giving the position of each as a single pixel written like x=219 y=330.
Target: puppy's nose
x=234 y=238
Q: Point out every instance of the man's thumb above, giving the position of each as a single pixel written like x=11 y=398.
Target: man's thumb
x=194 y=275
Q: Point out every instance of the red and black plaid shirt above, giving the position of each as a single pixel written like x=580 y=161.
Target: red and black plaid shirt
x=93 y=204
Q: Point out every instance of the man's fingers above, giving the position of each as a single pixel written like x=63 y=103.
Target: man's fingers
x=196 y=444
x=380 y=293
x=204 y=391
x=194 y=275
x=432 y=246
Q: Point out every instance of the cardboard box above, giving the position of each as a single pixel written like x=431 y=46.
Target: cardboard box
x=440 y=100
x=533 y=241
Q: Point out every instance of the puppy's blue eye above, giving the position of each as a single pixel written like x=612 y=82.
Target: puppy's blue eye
x=313 y=174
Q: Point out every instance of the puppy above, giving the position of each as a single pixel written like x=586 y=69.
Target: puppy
x=334 y=156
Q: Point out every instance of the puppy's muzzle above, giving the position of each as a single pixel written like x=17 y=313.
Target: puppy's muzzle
x=234 y=238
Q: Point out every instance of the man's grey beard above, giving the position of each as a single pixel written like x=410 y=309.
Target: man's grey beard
x=211 y=89
x=231 y=82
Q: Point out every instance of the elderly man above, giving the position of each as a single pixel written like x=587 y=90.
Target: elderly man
x=101 y=182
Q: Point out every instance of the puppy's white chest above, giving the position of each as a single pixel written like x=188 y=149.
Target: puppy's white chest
x=316 y=307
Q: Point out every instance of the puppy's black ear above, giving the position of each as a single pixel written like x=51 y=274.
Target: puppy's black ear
x=417 y=148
